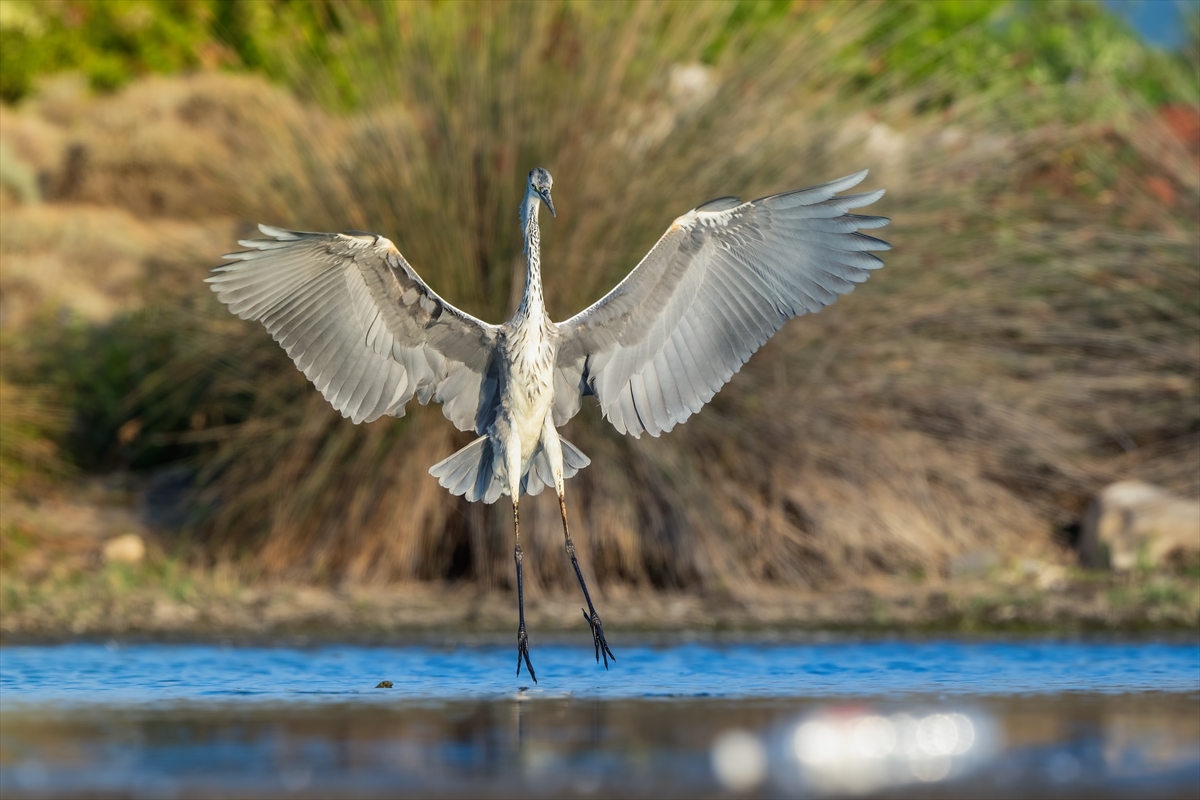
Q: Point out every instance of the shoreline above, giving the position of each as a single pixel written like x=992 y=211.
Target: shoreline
x=457 y=614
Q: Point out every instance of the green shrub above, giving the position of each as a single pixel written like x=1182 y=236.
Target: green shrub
x=961 y=47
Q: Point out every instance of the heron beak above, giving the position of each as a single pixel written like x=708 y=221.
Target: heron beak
x=548 y=201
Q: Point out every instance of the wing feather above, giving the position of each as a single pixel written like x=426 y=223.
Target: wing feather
x=721 y=280
x=671 y=376
x=699 y=370
x=361 y=324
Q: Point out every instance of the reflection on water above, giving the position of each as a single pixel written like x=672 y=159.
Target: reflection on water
x=1062 y=746
x=69 y=727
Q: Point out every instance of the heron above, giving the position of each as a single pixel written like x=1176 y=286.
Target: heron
x=371 y=335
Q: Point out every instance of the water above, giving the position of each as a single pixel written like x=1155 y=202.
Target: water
x=899 y=718
x=156 y=674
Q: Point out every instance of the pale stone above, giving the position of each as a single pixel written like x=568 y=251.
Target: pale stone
x=690 y=86
x=127 y=548
x=1132 y=523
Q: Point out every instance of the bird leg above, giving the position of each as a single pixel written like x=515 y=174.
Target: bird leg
x=593 y=620
x=522 y=637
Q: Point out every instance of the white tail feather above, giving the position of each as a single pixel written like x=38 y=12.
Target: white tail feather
x=471 y=473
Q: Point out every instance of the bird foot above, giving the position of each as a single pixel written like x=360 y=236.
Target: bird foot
x=598 y=638
x=523 y=651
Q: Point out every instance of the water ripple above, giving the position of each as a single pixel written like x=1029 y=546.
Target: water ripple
x=92 y=673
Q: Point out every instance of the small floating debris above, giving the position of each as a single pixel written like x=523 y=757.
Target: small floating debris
x=384 y=685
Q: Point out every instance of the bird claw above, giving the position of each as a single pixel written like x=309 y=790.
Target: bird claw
x=523 y=651
x=598 y=640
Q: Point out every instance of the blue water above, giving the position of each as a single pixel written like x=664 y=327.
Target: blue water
x=1086 y=719
x=151 y=674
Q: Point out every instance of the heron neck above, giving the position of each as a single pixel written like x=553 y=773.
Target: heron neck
x=532 y=304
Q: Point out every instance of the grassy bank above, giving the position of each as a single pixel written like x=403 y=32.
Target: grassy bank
x=170 y=600
x=64 y=587
x=1033 y=337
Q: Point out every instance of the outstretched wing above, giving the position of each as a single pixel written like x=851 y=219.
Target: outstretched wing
x=715 y=287
x=362 y=325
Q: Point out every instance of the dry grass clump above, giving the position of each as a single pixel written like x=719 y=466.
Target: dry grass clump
x=30 y=423
x=1033 y=335
x=176 y=147
x=95 y=262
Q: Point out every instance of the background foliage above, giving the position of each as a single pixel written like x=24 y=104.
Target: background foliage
x=1034 y=335
x=981 y=43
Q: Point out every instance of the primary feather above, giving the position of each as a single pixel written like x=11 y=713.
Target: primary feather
x=721 y=280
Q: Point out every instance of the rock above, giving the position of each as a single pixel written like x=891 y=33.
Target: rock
x=1132 y=524
x=690 y=86
x=125 y=549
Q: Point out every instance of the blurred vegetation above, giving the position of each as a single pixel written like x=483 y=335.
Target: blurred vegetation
x=955 y=50
x=100 y=374
x=1033 y=336
x=906 y=43
x=111 y=42
x=51 y=588
x=33 y=420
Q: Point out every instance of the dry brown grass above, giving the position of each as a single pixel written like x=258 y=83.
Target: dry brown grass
x=30 y=420
x=1034 y=334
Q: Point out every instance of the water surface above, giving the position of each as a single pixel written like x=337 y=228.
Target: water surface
x=153 y=674
x=896 y=718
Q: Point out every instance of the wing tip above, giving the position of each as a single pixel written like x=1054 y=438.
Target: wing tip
x=854 y=179
x=871 y=196
x=279 y=234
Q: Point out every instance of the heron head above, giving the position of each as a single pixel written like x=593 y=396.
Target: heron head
x=540 y=183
